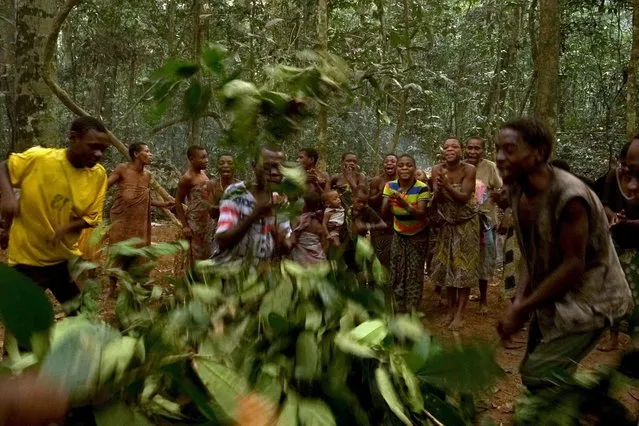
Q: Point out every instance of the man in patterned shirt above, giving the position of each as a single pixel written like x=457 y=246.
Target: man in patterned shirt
x=248 y=227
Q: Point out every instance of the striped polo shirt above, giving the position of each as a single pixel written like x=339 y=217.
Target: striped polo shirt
x=404 y=222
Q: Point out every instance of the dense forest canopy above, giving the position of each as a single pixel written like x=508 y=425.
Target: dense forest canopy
x=420 y=71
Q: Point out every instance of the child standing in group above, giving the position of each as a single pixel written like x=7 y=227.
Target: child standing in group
x=309 y=232
x=334 y=217
x=363 y=218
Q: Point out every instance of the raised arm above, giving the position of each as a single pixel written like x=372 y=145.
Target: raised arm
x=230 y=229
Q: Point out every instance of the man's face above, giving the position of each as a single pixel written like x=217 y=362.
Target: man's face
x=304 y=160
x=226 y=166
x=474 y=151
x=390 y=165
x=630 y=172
x=267 y=169
x=200 y=159
x=349 y=163
x=89 y=148
x=515 y=158
x=144 y=155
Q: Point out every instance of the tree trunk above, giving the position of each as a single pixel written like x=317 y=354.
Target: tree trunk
x=547 y=63
x=32 y=98
x=322 y=120
x=7 y=70
x=403 y=106
x=194 y=126
x=631 y=93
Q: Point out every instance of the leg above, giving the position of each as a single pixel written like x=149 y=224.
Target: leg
x=462 y=301
x=483 y=297
x=559 y=356
x=451 y=293
x=613 y=340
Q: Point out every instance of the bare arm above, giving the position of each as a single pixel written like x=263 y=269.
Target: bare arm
x=115 y=177
x=182 y=189
x=8 y=201
x=234 y=235
x=376 y=195
x=467 y=187
x=327 y=217
x=573 y=239
x=385 y=206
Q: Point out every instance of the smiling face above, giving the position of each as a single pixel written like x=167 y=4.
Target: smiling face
x=452 y=151
x=304 y=160
x=629 y=172
x=226 y=166
x=515 y=158
x=87 y=149
x=405 y=168
x=474 y=151
x=390 y=165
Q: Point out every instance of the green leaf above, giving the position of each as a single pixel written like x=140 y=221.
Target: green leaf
x=347 y=345
x=289 y=414
x=415 y=398
x=406 y=326
x=278 y=324
x=278 y=300
x=470 y=368
x=175 y=69
x=386 y=388
x=224 y=384
x=306 y=356
x=314 y=412
x=213 y=57
x=269 y=385
x=444 y=412
x=363 y=250
x=369 y=333
x=237 y=88
x=119 y=414
x=196 y=99
x=24 y=307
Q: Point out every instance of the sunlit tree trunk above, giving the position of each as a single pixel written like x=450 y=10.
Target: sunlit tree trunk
x=547 y=63
x=322 y=122
x=34 y=124
x=631 y=95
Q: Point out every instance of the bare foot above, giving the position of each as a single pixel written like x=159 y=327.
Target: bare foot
x=611 y=345
x=483 y=309
x=447 y=320
x=457 y=324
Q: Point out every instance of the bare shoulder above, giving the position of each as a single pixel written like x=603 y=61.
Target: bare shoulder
x=469 y=169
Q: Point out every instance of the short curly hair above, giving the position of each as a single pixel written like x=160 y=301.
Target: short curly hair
x=534 y=132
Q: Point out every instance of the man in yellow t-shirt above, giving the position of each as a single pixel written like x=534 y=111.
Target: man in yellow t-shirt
x=61 y=193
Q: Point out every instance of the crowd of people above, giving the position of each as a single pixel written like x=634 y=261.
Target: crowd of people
x=568 y=254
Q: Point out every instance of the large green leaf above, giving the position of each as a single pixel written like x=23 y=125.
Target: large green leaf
x=277 y=300
x=386 y=388
x=369 y=333
x=224 y=384
x=444 y=412
x=119 y=414
x=470 y=368
x=346 y=344
x=289 y=415
x=307 y=353
x=196 y=99
x=314 y=412
x=24 y=307
x=269 y=384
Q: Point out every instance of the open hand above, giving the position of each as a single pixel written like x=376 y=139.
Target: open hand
x=398 y=200
x=512 y=322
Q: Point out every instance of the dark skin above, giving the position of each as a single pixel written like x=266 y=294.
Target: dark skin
x=84 y=151
x=226 y=171
x=454 y=172
x=315 y=179
x=267 y=172
x=196 y=175
x=526 y=165
x=629 y=178
x=406 y=179
x=359 y=227
x=377 y=184
x=349 y=175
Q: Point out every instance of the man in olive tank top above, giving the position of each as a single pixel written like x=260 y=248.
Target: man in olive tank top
x=571 y=284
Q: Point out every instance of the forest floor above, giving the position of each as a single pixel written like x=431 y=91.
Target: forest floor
x=496 y=406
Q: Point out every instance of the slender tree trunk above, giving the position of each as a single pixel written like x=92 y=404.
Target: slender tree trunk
x=631 y=92
x=32 y=98
x=7 y=70
x=548 y=63
x=403 y=105
x=322 y=122
x=194 y=126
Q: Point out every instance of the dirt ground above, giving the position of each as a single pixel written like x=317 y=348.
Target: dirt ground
x=497 y=405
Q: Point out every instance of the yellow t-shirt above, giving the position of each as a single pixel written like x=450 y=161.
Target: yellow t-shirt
x=53 y=193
